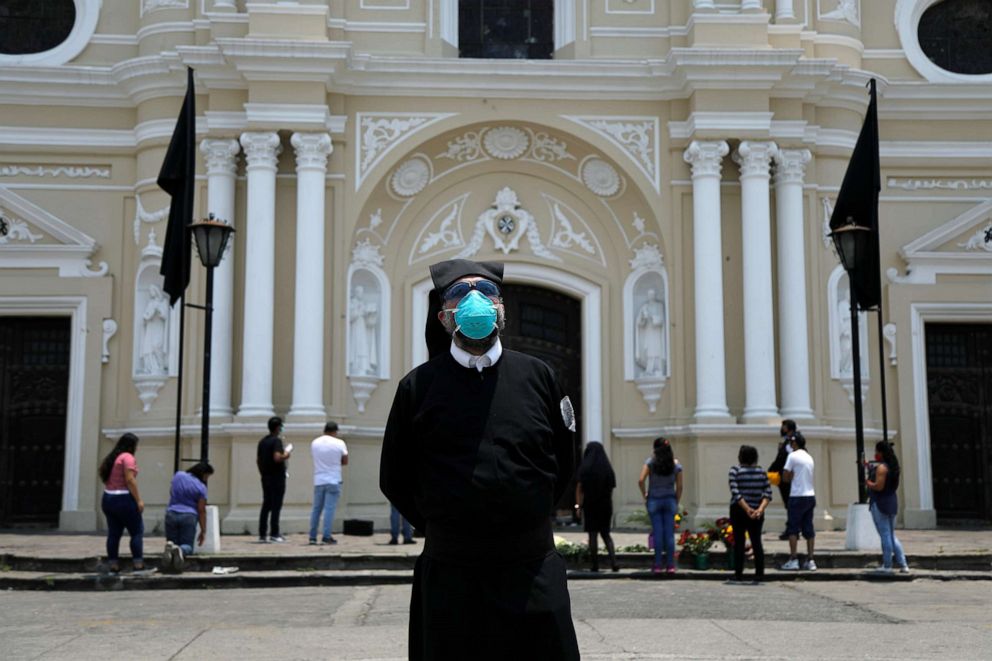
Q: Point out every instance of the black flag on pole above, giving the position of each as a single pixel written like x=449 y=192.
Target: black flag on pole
x=177 y=178
x=857 y=202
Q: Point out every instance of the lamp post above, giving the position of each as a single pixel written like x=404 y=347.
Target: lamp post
x=211 y=237
x=851 y=241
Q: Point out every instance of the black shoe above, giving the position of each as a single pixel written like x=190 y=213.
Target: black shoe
x=616 y=568
x=313 y=542
x=393 y=542
x=329 y=540
x=409 y=541
x=784 y=536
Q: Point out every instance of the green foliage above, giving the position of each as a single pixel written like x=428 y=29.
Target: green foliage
x=571 y=551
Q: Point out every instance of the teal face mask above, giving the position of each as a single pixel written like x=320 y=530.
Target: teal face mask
x=475 y=316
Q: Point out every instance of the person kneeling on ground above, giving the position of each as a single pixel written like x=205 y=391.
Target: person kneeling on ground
x=187 y=507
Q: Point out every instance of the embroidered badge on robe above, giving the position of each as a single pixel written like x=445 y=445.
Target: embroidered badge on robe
x=567 y=413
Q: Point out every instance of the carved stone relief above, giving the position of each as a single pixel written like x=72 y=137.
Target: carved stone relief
x=889 y=333
x=637 y=137
x=646 y=343
x=840 y=10
x=841 y=340
x=109 y=330
x=70 y=171
x=506 y=222
x=379 y=133
x=155 y=328
x=14 y=229
x=506 y=143
x=368 y=328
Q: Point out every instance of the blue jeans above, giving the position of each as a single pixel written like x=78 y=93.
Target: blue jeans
x=122 y=512
x=325 y=498
x=394 y=525
x=662 y=512
x=885 y=524
x=180 y=529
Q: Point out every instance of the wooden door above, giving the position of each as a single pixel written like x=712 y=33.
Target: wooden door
x=959 y=388
x=34 y=380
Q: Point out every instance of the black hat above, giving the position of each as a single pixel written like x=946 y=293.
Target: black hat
x=444 y=274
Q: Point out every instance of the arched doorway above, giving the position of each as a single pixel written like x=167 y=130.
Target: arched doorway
x=547 y=324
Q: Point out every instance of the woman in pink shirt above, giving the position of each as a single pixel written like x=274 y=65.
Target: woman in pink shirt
x=122 y=503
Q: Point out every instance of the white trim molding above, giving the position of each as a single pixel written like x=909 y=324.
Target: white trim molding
x=378 y=133
x=594 y=387
x=907 y=18
x=925 y=260
x=636 y=136
x=87 y=15
x=75 y=308
x=920 y=315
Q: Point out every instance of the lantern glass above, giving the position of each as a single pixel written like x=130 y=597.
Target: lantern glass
x=849 y=242
x=211 y=239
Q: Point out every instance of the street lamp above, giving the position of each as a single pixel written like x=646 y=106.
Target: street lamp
x=211 y=237
x=851 y=243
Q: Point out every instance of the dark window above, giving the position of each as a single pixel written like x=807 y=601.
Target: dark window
x=506 y=29
x=34 y=26
x=957 y=36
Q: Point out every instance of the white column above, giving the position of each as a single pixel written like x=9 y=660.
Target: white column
x=312 y=150
x=754 y=159
x=261 y=153
x=221 y=158
x=706 y=159
x=790 y=172
x=784 y=11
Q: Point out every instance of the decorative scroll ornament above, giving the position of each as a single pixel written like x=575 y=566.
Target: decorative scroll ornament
x=844 y=10
x=566 y=237
x=447 y=236
x=506 y=223
x=637 y=137
x=648 y=256
x=70 y=171
x=142 y=216
x=940 y=184
x=109 y=330
x=979 y=240
x=638 y=223
x=505 y=142
x=380 y=133
x=13 y=229
x=366 y=253
x=411 y=177
x=889 y=333
x=600 y=177
x=149 y=6
x=828 y=211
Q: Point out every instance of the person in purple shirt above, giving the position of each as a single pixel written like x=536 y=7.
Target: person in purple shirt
x=187 y=507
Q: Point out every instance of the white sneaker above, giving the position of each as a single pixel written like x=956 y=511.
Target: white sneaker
x=886 y=571
x=809 y=565
x=791 y=565
x=178 y=559
x=166 y=563
x=904 y=569
x=278 y=539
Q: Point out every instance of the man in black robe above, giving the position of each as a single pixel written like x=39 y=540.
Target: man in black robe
x=477 y=450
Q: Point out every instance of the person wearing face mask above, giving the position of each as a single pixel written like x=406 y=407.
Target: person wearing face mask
x=476 y=452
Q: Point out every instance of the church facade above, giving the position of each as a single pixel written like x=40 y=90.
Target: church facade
x=657 y=176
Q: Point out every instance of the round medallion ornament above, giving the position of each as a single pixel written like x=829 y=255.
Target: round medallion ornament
x=506 y=224
x=505 y=142
x=600 y=177
x=411 y=177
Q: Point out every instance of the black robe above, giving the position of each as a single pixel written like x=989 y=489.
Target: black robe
x=477 y=461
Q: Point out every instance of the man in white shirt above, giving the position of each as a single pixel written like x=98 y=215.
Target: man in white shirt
x=798 y=472
x=329 y=455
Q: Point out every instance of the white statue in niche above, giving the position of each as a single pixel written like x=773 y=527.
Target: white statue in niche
x=154 y=336
x=363 y=321
x=845 y=363
x=649 y=336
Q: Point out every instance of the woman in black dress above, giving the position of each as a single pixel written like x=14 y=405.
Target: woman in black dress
x=594 y=496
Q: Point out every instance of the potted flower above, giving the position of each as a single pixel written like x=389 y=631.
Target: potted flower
x=723 y=531
x=697 y=544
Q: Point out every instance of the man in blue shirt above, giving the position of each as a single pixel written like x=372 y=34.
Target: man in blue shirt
x=187 y=507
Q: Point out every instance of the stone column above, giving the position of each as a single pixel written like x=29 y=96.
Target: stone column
x=789 y=175
x=711 y=388
x=312 y=150
x=261 y=153
x=754 y=159
x=784 y=11
x=221 y=158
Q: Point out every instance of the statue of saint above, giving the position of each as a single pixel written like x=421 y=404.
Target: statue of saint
x=154 y=351
x=363 y=318
x=649 y=336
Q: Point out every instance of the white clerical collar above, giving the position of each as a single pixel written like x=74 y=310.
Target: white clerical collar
x=488 y=359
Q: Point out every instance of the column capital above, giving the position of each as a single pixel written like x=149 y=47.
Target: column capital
x=706 y=158
x=754 y=158
x=261 y=149
x=312 y=150
x=221 y=155
x=790 y=165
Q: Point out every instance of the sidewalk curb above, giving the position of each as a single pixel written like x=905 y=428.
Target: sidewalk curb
x=202 y=580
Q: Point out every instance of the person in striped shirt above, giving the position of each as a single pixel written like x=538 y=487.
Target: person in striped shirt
x=750 y=493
